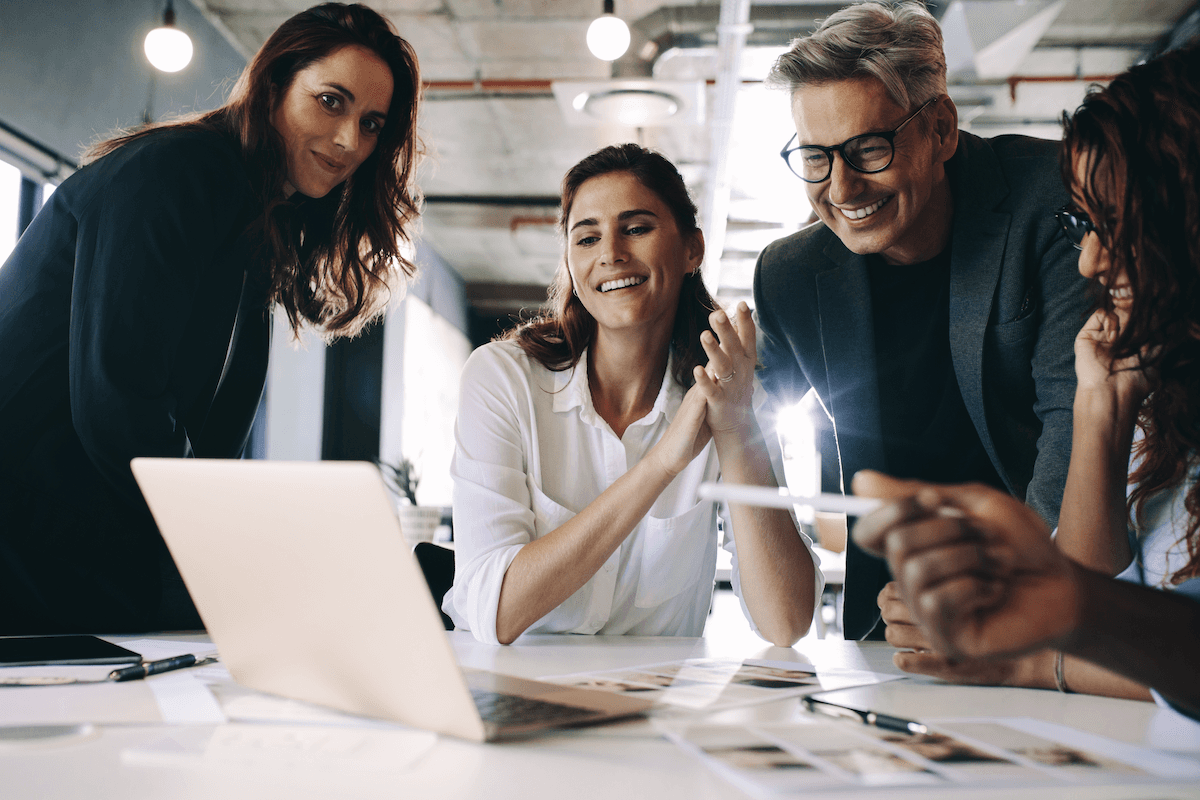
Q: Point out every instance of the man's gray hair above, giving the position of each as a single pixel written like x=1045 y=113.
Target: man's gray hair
x=899 y=43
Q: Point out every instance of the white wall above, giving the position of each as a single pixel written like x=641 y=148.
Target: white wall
x=295 y=395
x=434 y=354
x=424 y=349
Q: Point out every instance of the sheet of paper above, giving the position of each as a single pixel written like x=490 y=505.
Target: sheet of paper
x=713 y=683
x=304 y=749
x=810 y=754
x=155 y=649
x=132 y=701
x=246 y=705
x=174 y=697
x=183 y=699
x=1171 y=730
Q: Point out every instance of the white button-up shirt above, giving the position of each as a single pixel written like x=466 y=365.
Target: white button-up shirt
x=530 y=453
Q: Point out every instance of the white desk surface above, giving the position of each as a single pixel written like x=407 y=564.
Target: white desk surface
x=626 y=761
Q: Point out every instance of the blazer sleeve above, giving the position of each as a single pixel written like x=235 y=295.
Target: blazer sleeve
x=1065 y=302
x=775 y=305
x=146 y=252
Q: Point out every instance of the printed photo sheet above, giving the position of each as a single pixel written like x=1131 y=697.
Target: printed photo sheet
x=808 y=755
x=713 y=683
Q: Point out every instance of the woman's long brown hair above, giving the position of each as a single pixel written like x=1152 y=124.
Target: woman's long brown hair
x=1139 y=140
x=330 y=261
x=563 y=330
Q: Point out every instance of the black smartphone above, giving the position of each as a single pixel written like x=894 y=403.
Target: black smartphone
x=26 y=651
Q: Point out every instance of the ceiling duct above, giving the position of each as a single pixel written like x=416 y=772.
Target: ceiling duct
x=988 y=40
x=692 y=27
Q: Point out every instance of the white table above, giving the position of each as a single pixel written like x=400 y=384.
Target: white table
x=627 y=761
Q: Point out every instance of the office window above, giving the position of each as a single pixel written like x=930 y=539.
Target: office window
x=10 y=194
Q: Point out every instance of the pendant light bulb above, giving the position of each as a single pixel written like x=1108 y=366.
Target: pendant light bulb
x=168 y=48
x=608 y=35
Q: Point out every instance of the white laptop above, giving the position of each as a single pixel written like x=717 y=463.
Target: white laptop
x=307 y=587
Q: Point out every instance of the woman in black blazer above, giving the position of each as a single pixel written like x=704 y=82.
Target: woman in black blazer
x=135 y=310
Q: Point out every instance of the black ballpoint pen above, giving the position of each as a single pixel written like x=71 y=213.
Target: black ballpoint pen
x=885 y=721
x=138 y=671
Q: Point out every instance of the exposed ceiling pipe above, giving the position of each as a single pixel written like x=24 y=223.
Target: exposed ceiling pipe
x=696 y=26
x=1013 y=80
x=493 y=84
x=525 y=221
x=1184 y=31
x=519 y=200
x=732 y=29
x=519 y=86
x=219 y=25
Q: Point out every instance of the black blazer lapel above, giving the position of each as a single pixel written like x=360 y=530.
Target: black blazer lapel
x=978 y=241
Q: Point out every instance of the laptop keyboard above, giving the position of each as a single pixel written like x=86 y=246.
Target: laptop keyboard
x=511 y=709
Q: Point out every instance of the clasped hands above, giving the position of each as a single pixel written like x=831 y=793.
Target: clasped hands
x=978 y=592
x=720 y=401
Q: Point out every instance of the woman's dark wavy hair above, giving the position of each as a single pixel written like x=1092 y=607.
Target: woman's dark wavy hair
x=559 y=334
x=1139 y=142
x=329 y=260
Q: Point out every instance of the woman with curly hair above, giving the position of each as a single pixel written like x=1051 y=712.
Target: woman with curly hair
x=583 y=436
x=135 y=310
x=990 y=583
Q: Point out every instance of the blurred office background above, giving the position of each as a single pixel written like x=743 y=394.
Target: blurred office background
x=513 y=99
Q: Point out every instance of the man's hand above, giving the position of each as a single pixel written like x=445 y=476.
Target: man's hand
x=976 y=568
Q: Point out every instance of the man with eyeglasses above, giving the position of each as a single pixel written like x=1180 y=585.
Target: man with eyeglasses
x=934 y=306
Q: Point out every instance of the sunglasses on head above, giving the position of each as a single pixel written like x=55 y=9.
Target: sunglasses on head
x=1075 y=224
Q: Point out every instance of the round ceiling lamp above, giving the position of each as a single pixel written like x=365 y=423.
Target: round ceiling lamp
x=608 y=35
x=637 y=108
x=168 y=48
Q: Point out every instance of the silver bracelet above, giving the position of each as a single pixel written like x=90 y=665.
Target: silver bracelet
x=1060 y=682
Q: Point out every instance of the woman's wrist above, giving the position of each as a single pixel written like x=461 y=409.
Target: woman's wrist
x=1106 y=406
x=654 y=469
x=744 y=430
x=742 y=453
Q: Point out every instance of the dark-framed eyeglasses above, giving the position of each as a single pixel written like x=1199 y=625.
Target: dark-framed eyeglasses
x=867 y=152
x=1075 y=224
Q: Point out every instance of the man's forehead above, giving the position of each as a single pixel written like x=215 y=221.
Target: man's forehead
x=829 y=113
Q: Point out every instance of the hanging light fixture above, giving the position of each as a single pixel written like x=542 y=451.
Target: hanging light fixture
x=608 y=35
x=168 y=48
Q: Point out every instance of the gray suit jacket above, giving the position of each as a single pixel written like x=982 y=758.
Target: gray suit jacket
x=1016 y=303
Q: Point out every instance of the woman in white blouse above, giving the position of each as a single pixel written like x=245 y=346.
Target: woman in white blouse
x=583 y=436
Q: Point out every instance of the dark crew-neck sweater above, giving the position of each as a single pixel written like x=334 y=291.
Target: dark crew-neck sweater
x=927 y=433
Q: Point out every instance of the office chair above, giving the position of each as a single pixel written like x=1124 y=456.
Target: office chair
x=437 y=564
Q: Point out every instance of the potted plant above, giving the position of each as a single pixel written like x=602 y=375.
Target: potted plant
x=401 y=478
x=416 y=521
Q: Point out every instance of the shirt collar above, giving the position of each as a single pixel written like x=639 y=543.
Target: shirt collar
x=571 y=390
